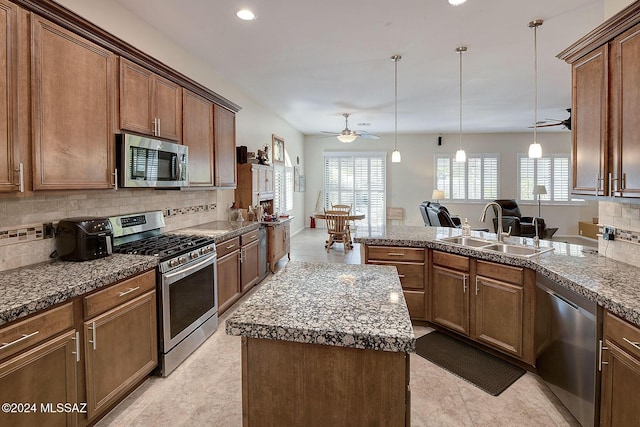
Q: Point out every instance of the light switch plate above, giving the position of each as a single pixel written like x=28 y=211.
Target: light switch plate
x=608 y=233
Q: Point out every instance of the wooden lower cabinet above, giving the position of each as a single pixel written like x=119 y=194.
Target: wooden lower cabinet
x=121 y=348
x=228 y=276
x=450 y=299
x=43 y=375
x=279 y=243
x=620 y=374
x=412 y=267
x=249 y=274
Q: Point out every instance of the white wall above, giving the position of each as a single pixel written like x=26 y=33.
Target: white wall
x=254 y=123
x=611 y=7
x=411 y=182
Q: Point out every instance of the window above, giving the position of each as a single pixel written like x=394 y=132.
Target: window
x=357 y=179
x=282 y=188
x=552 y=171
x=473 y=180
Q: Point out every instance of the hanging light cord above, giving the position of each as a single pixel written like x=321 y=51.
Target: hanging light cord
x=535 y=86
x=460 y=51
x=396 y=58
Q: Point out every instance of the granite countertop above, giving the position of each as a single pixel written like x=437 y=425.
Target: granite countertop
x=26 y=290
x=358 y=306
x=220 y=230
x=610 y=283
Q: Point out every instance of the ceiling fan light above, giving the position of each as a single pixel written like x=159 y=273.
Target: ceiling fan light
x=395 y=156
x=347 y=138
x=245 y=15
x=535 y=151
x=461 y=156
x=456 y=2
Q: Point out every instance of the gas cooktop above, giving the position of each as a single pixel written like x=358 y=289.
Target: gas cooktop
x=164 y=246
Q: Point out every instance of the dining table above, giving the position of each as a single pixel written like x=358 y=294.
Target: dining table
x=349 y=216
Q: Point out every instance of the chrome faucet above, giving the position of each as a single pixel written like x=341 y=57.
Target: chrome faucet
x=483 y=217
x=536 y=240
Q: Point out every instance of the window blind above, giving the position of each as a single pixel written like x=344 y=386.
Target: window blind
x=473 y=180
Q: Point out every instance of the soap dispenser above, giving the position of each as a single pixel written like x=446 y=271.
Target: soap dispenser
x=466 y=228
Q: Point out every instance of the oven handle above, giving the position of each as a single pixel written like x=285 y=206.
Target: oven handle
x=178 y=274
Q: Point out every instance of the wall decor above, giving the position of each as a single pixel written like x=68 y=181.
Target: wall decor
x=296 y=178
x=302 y=183
x=277 y=152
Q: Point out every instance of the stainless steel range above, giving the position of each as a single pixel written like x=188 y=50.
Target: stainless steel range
x=187 y=282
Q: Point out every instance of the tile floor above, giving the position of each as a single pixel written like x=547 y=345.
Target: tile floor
x=206 y=389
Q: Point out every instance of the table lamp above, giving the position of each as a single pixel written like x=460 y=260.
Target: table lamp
x=437 y=195
x=537 y=191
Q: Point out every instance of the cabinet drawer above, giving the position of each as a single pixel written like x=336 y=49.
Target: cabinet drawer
x=249 y=237
x=112 y=296
x=455 y=262
x=626 y=335
x=411 y=274
x=501 y=272
x=392 y=253
x=228 y=246
x=38 y=328
x=415 y=304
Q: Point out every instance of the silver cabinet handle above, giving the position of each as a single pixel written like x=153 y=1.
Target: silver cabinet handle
x=634 y=344
x=121 y=294
x=77 y=340
x=600 y=362
x=253 y=237
x=20 y=171
x=231 y=246
x=158 y=126
x=394 y=254
x=476 y=285
x=115 y=178
x=610 y=183
x=22 y=338
x=464 y=283
x=93 y=333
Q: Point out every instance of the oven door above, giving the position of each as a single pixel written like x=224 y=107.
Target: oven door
x=189 y=297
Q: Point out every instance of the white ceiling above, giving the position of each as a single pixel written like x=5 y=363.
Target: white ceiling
x=311 y=61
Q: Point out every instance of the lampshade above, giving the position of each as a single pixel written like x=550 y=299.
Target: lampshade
x=395 y=156
x=461 y=156
x=539 y=189
x=535 y=149
x=437 y=195
x=347 y=138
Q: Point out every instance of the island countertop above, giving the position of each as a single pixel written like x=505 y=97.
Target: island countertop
x=357 y=306
x=610 y=283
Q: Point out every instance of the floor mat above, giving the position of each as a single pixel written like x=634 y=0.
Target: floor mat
x=481 y=369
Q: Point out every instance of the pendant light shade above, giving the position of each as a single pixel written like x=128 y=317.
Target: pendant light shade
x=395 y=156
x=461 y=156
x=535 y=149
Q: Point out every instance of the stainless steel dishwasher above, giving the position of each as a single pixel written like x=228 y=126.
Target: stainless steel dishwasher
x=567 y=334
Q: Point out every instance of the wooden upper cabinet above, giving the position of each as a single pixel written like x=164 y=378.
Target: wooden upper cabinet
x=224 y=122
x=590 y=106
x=149 y=104
x=9 y=147
x=73 y=87
x=197 y=134
x=625 y=82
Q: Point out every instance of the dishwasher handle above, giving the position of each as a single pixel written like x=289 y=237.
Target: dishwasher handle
x=563 y=299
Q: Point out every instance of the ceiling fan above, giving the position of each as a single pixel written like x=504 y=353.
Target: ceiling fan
x=566 y=122
x=347 y=135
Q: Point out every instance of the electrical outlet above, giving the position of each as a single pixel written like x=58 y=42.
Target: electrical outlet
x=608 y=233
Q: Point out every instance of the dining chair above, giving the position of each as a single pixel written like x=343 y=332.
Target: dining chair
x=338 y=229
x=344 y=208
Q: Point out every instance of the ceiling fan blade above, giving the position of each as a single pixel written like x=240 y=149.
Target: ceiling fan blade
x=368 y=136
x=330 y=133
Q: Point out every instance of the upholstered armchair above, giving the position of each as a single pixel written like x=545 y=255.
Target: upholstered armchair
x=436 y=215
x=512 y=217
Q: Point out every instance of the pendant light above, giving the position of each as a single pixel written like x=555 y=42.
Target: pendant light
x=395 y=156
x=535 y=149
x=461 y=156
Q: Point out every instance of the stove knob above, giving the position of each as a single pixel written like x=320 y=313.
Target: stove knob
x=182 y=260
x=193 y=255
x=173 y=262
x=202 y=251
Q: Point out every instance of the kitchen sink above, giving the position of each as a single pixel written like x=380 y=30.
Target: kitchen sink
x=466 y=241
x=525 y=251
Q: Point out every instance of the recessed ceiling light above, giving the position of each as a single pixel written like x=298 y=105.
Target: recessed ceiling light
x=246 y=15
x=456 y=2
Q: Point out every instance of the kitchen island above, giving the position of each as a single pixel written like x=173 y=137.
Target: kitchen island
x=325 y=344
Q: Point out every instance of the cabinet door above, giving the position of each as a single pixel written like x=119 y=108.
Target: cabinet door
x=197 y=134
x=121 y=348
x=73 y=84
x=276 y=239
x=499 y=307
x=626 y=127
x=136 y=88
x=287 y=238
x=450 y=299
x=9 y=148
x=620 y=386
x=228 y=280
x=589 y=132
x=224 y=122
x=249 y=269
x=42 y=375
x=167 y=104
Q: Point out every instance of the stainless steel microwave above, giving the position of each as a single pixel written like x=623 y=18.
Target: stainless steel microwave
x=148 y=162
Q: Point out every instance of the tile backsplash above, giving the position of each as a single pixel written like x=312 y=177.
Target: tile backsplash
x=22 y=239
x=626 y=219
